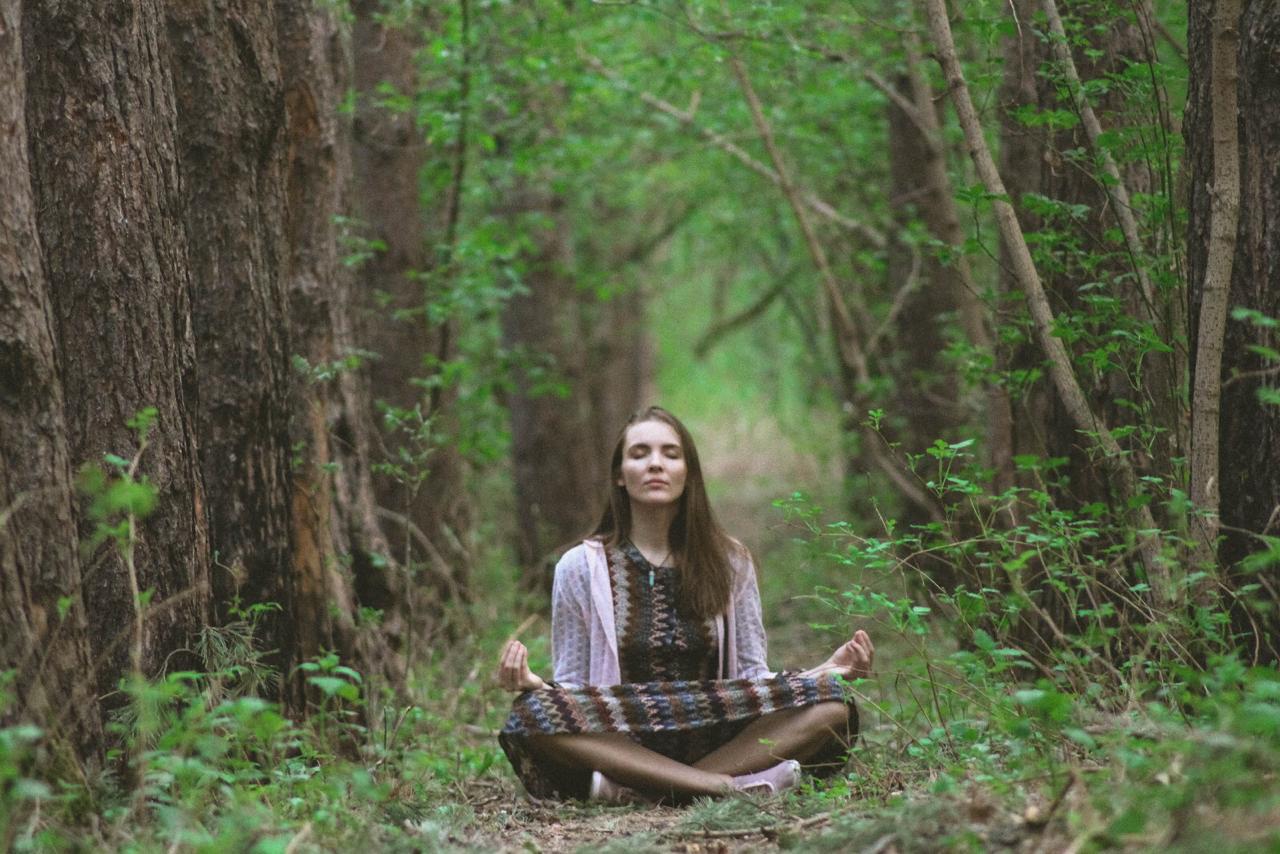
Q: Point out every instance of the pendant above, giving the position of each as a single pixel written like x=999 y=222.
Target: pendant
x=650 y=577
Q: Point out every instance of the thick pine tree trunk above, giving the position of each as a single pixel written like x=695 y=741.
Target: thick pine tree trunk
x=554 y=502
x=231 y=144
x=43 y=641
x=1038 y=161
x=109 y=207
x=1249 y=438
x=927 y=397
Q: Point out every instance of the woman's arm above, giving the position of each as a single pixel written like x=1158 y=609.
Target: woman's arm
x=751 y=644
x=570 y=629
x=570 y=641
x=853 y=660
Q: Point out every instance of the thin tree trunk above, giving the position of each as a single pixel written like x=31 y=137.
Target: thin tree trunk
x=1064 y=379
x=1206 y=393
x=1249 y=439
x=41 y=609
x=1116 y=189
x=104 y=152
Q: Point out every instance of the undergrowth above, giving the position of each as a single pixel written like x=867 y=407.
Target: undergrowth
x=1028 y=700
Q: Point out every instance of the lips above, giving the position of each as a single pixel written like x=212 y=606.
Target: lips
x=655 y=483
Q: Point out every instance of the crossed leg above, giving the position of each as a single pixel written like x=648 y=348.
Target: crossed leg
x=788 y=734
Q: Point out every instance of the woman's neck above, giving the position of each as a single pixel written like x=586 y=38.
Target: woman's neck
x=649 y=527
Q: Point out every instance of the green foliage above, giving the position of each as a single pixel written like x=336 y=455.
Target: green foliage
x=118 y=496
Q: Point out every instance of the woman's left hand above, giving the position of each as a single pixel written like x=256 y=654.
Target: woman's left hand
x=853 y=660
x=513 y=669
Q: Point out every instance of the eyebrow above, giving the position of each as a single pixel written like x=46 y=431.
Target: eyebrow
x=645 y=445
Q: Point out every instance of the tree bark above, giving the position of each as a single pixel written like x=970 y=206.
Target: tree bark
x=340 y=560
x=550 y=407
x=44 y=639
x=104 y=153
x=232 y=149
x=1214 y=290
x=1249 y=438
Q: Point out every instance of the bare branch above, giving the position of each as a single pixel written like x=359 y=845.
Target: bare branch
x=743 y=318
x=899 y=301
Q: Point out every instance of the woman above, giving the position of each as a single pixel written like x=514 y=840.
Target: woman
x=660 y=687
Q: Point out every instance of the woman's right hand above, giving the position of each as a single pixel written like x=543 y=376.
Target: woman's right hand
x=513 y=669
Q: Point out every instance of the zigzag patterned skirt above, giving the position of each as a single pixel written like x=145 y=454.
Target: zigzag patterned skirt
x=682 y=720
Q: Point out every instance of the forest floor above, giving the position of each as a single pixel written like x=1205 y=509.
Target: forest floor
x=960 y=773
x=959 y=749
x=890 y=813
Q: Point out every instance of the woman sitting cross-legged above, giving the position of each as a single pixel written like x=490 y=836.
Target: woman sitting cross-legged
x=660 y=688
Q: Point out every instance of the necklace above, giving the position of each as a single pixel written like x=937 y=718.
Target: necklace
x=666 y=557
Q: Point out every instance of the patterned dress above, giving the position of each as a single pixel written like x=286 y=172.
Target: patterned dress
x=669 y=700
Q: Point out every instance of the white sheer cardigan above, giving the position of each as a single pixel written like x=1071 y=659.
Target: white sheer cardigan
x=584 y=641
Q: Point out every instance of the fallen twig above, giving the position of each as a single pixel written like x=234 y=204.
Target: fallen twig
x=768 y=831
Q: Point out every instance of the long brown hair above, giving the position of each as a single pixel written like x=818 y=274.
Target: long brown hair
x=698 y=544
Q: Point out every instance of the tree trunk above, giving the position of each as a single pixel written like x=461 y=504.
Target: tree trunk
x=927 y=401
x=44 y=641
x=232 y=149
x=1249 y=439
x=1037 y=162
x=554 y=502
x=424 y=509
x=105 y=164
x=339 y=554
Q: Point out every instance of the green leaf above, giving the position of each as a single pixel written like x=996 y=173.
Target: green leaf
x=329 y=685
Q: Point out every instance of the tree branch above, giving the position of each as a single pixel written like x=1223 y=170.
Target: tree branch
x=731 y=324
x=1117 y=190
x=870 y=233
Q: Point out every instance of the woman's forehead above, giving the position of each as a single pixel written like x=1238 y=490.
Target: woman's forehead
x=652 y=433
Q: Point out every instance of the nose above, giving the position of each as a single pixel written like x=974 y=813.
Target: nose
x=655 y=462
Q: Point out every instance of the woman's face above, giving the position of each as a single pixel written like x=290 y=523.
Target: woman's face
x=653 y=466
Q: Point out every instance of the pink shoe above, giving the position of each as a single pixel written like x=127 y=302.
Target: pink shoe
x=770 y=781
x=606 y=791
